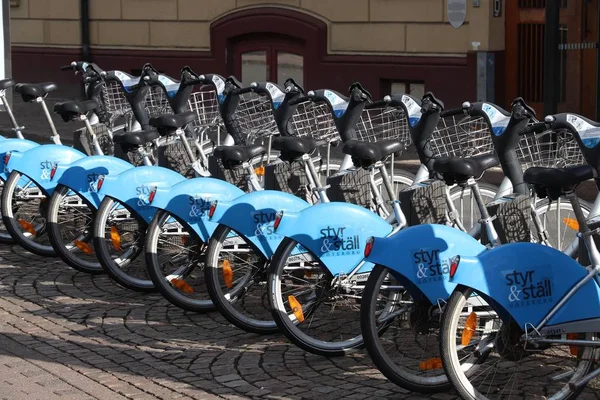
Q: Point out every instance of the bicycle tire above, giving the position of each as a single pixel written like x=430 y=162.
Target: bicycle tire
x=102 y=236
x=15 y=229
x=68 y=252
x=5 y=237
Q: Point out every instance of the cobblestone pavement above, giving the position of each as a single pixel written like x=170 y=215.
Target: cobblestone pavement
x=65 y=334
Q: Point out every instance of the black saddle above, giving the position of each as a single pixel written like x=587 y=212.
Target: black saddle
x=365 y=154
x=292 y=148
x=459 y=170
x=131 y=140
x=72 y=109
x=168 y=123
x=555 y=182
x=6 y=83
x=235 y=155
x=31 y=91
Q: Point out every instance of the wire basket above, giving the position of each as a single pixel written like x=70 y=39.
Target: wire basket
x=205 y=105
x=114 y=100
x=383 y=123
x=104 y=138
x=314 y=120
x=174 y=156
x=254 y=116
x=157 y=102
x=461 y=136
x=551 y=149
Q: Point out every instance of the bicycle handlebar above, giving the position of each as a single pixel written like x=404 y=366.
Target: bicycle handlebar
x=538 y=127
x=451 y=113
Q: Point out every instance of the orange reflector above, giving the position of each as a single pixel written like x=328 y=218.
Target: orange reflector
x=296 y=308
x=182 y=285
x=27 y=226
x=469 y=329
x=260 y=171
x=115 y=238
x=571 y=223
x=83 y=247
x=432 y=363
x=184 y=240
x=308 y=273
x=573 y=336
x=227 y=274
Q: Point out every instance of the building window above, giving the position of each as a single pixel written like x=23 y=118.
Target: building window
x=264 y=62
x=415 y=89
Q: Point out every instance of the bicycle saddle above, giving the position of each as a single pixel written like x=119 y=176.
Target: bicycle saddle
x=6 y=83
x=31 y=91
x=293 y=147
x=170 y=122
x=238 y=154
x=138 y=138
x=364 y=154
x=455 y=170
x=554 y=182
x=72 y=109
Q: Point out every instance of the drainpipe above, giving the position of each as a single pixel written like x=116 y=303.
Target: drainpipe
x=85 y=30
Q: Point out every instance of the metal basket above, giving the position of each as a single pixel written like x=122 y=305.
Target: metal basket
x=104 y=138
x=205 y=105
x=157 y=102
x=383 y=123
x=314 y=120
x=551 y=149
x=114 y=101
x=254 y=116
x=461 y=136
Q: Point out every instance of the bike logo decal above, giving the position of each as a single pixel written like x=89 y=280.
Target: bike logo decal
x=276 y=94
x=199 y=207
x=414 y=110
x=48 y=170
x=220 y=86
x=264 y=224
x=589 y=134
x=429 y=267
x=338 y=104
x=498 y=120
x=337 y=242
x=92 y=179
x=145 y=195
x=526 y=289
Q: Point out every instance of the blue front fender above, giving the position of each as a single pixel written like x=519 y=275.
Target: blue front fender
x=253 y=215
x=45 y=164
x=420 y=256
x=336 y=233
x=527 y=280
x=10 y=146
x=82 y=175
x=135 y=187
x=191 y=199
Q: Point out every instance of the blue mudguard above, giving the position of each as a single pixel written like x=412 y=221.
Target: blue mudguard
x=420 y=256
x=45 y=164
x=191 y=200
x=10 y=146
x=136 y=187
x=82 y=175
x=253 y=215
x=336 y=233
x=527 y=280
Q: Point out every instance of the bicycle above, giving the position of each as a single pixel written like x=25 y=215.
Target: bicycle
x=515 y=326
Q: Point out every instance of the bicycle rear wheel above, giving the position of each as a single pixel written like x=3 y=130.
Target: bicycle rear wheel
x=5 y=237
x=119 y=236
x=315 y=313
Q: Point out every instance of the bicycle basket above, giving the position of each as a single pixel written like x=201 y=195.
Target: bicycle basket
x=157 y=102
x=383 y=123
x=173 y=155
x=461 y=136
x=254 y=116
x=314 y=120
x=552 y=149
x=205 y=105
x=114 y=100
x=103 y=136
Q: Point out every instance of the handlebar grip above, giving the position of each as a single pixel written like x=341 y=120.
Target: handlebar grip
x=377 y=104
x=298 y=100
x=244 y=90
x=451 y=113
x=538 y=127
x=67 y=67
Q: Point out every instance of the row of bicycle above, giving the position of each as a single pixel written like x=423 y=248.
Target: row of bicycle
x=329 y=273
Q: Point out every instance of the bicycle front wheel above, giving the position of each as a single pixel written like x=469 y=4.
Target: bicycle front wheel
x=5 y=237
x=314 y=311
